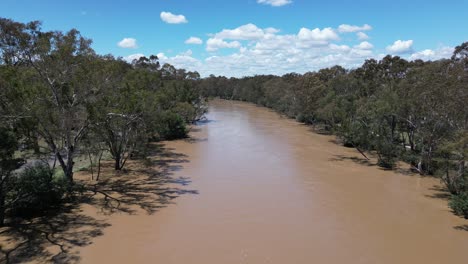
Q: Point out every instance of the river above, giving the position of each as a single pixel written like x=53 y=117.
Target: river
x=272 y=191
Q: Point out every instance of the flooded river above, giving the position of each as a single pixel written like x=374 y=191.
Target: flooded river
x=272 y=191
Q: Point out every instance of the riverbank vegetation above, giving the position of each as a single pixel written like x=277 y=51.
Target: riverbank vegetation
x=413 y=111
x=60 y=101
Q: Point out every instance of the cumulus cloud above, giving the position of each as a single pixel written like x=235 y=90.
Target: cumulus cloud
x=132 y=57
x=128 y=43
x=255 y=50
x=266 y=51
x=362 y=36
x=183 y=60
x=345 y=28
x=364 y=46
x=401 y=47
x=162 y=56
x=214 y=44
x=430 y=55
x=245 y=32
x=170 y=18
x=317 y=36
x=274 y=2
x=194 y=40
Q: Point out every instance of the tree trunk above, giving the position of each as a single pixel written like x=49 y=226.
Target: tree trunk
x=68 y=166
x=70 y=163
x=91 y=165
x=99 y=166
x=117 y=162
x=36 y=148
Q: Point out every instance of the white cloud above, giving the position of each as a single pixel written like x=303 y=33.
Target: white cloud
x=339 y=48
x=257 y=50
x=194 y=40
x=170 y=18
x=245 y=32
x=182 y=60
x=132 y=57
x=362 y=36
x=274 y=2
x=401 y=47
x=162 y=56
x=214 y=44
x=128 y=43
x=266 y=51
x=364 y=46
x=428 y=54
x=345 y=28
x=317 y=36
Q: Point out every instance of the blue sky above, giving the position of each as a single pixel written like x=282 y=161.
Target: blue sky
x=246 y=37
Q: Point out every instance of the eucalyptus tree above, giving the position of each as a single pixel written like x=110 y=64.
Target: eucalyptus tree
x=118 y=117
x=59 y=87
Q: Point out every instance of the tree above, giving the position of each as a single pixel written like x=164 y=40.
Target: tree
x=8 y=163
x=58 y=93
x=460 y=54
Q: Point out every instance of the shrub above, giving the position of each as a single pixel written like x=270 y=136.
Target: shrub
x=171 y=126
x=35 y=189
x=186 y=111
x=459 y=204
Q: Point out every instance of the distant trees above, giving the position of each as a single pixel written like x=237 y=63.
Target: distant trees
x=400 y=110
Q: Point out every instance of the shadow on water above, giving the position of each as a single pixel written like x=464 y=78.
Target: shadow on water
x=439 y=192
x=370 y=163
x=358 y=160
x=462 y=228
x=205 y=122
x=195 y=140
x=56 y=236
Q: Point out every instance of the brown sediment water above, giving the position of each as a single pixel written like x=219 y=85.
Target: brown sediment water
x=271 y=191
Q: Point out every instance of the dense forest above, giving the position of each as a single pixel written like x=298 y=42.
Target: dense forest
x=59 y=100
x=412 y=111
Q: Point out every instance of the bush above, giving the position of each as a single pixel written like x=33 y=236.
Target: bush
x=171 y=126
x=186 y=111
x=304 y=118
x=387 y=158
x=35 y=189
x=459 y=204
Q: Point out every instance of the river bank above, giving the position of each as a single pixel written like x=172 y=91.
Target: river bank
x=253 y=187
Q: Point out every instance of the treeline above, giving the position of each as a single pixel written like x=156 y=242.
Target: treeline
x=59 y=100
x=413 y=111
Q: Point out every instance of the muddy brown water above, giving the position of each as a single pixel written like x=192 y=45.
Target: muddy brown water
x=271 y=191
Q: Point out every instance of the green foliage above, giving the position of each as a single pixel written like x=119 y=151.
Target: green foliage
x=8 y=146
x=34 y=190
x=55 y=90
x=186 y=111
x=171 y=126
x=459 y=204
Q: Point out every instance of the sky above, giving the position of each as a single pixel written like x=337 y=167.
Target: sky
x=250 y=37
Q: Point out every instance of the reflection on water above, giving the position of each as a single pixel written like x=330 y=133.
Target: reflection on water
x=270 y=191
